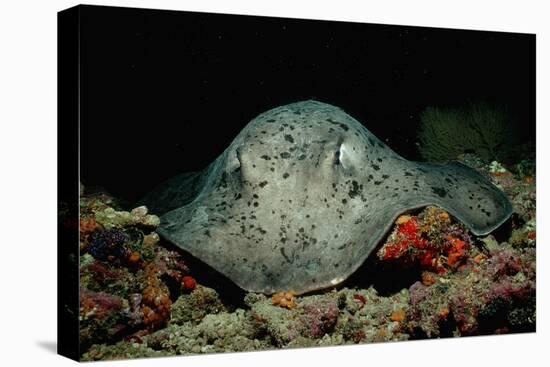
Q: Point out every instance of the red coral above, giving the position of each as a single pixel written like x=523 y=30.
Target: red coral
x=188 y=283
x=408 y=237
x=428 y=240
x=455 y=251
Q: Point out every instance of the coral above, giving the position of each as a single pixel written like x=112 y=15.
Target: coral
x=220 y=332
x=102 y=316
x=108 y=244
x=188 y=283
x=156 y=303
x=483 y=297
x=430 y=240
x=87 y=226
x=497 y=168
x=318 y=316
x=110 y=218
x=127 y=279
x=252 y=298
x=196 y=305
x=445 y=133
x=277 y=322
x=284 y=299
x=121 y=350
x=398 y=315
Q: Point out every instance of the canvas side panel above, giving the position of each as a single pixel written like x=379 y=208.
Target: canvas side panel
x=68 y=25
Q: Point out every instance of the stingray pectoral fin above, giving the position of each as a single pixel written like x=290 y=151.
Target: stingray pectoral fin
x=465 y=194
x=175 y=192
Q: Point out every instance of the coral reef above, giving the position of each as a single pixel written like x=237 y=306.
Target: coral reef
x=487 y=130
x=139 y=298
x=127 y=281
x=483 y=297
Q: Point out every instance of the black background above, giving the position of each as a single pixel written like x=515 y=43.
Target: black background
x=165 y=92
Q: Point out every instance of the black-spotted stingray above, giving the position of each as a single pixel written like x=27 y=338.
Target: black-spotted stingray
x=304 y=194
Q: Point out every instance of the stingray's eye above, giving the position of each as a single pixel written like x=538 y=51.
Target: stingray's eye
x=343 y=157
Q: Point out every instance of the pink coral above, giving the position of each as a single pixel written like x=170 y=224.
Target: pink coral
x=319 y=317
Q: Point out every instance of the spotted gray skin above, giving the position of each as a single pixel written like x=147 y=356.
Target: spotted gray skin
x=304 y=194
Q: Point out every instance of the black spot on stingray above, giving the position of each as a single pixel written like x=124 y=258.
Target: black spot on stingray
x=255 y=196
x=385 y=176
x=285 y=155
x=379 y=159
x=272 y=169
x=344 y=201
x=266 y=157
x=262 y=184
x=270 y=120
x=441 y=192
x=407 y=173
x=377 y=182
x=282 y=249
x=447 y=179
x=256 y=203
x=289 y=138
x=237 y=196
x=354 y=191
x=376 y=167
x=342 y=126
x=302 y=157
x=285 y=175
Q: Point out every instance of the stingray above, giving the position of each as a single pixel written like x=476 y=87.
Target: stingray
x=304 y=194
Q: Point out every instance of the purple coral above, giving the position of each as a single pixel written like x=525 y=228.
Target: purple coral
x=319 y=317
x=417 y=292
x=107 y=243
x=504 y=262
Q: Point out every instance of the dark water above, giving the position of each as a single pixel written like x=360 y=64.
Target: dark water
x=165 y=92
